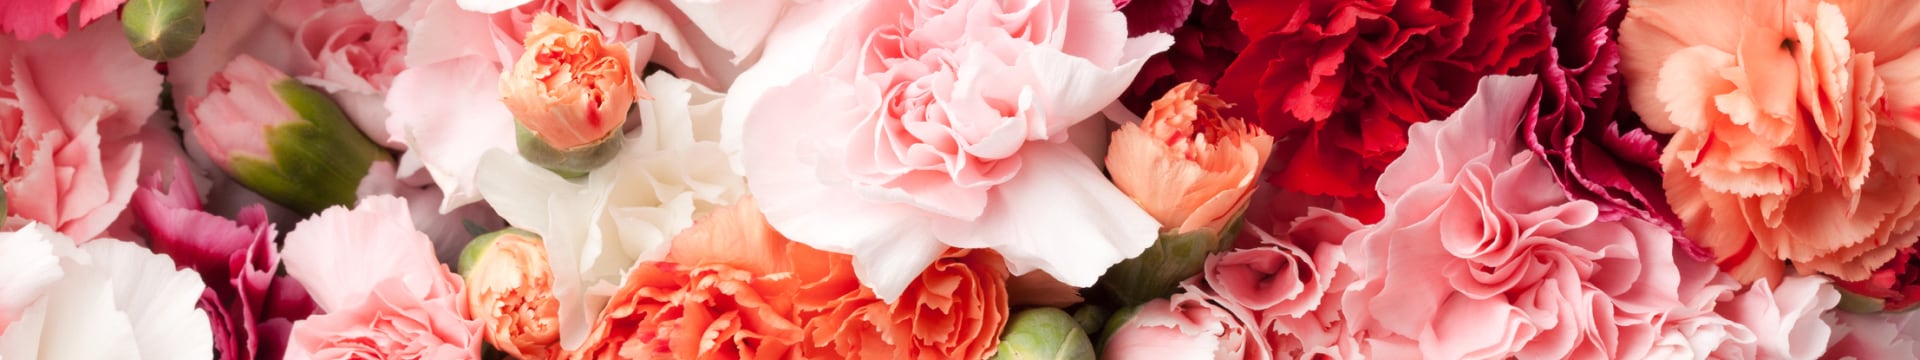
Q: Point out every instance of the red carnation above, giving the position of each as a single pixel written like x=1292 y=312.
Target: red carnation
x=1893 y=287
x=1339 y=81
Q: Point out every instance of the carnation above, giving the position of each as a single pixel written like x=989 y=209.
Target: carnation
x=72 y=108
x=1341 y=80
x=1482 y=256
x=1792 y=152
x=931 y=126
x=1580 y=125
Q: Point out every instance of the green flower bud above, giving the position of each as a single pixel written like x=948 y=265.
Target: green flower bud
x=161 y=30
x=300 y=151
x=1044 y=333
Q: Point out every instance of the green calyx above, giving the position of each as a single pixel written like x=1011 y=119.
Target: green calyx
x=161 y=30
x=569 y=163
x=1044 y=333
x=476 y=249
x=315 y=163
x=1173 y=258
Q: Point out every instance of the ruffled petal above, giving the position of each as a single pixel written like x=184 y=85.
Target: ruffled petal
x=1059 y=216
x=451 y=111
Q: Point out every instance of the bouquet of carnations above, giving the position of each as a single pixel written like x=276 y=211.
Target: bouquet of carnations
x=959 y=179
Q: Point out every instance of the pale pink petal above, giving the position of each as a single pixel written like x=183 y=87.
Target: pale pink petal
x=28 y=267
x=452 y=113
x=1787 y=320
x=445 y=32
x=890 y=242
x=491 y=6
x=1159 y=332
x=1074 y=87
x=1061 y=216
x=329 y=254
x=789 y=53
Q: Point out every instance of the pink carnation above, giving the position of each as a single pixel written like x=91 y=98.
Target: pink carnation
x=357 y=58
x=923 y=126
x=28 y=19
x=1189 y=327
x=1481 y=255
x=69 y=112
x=395 y=302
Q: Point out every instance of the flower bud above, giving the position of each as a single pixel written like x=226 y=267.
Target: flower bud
x=1194 y=171
x=281 y=138
x=510 y=292
x=161 y=30
x=569 y=93
x=1044 y=333
x=1894 y=287
x=1187 y=165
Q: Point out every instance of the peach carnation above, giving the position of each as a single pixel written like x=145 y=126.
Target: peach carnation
x=1784 y=147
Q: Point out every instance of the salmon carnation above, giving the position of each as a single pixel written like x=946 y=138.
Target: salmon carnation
x=1187 y=165
x=956 y=309
x=1784 y=147
x=723 y=292
x=510 y=291
x=732 y=288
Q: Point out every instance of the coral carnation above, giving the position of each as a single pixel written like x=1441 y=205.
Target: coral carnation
x=1792 y=138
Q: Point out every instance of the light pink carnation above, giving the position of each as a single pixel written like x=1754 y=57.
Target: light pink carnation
x=1875 y=336
x=397 y=301
x=1790 y=321
x=1481 y=255
x=927 y=125
x=1189 y=327
x=357 y=58
x=69 y=112
x=390 y=323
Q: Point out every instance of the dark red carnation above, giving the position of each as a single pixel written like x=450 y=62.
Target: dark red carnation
x=1895 y=285
x=1578 y=120
x=1205 y=41
x=1339 y=81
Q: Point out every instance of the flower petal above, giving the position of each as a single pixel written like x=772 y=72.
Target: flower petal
x=1059 y=216
x=451 y=111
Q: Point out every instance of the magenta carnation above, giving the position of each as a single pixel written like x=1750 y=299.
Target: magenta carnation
x=252 y=309
x=1580 y=125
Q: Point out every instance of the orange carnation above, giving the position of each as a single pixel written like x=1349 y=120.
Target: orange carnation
x=955 y=310
x=732 y=288
x=723 y=292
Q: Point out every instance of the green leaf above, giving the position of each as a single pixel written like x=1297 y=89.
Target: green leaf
x=161 y=30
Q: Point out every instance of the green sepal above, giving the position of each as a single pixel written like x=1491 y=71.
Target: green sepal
x=1044 y=333
x=1172 y=258
x=572 y=163
x=317 y=162
x=470 y=255
x=1092 y=318
x=1117 y=321
x=161 y=30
